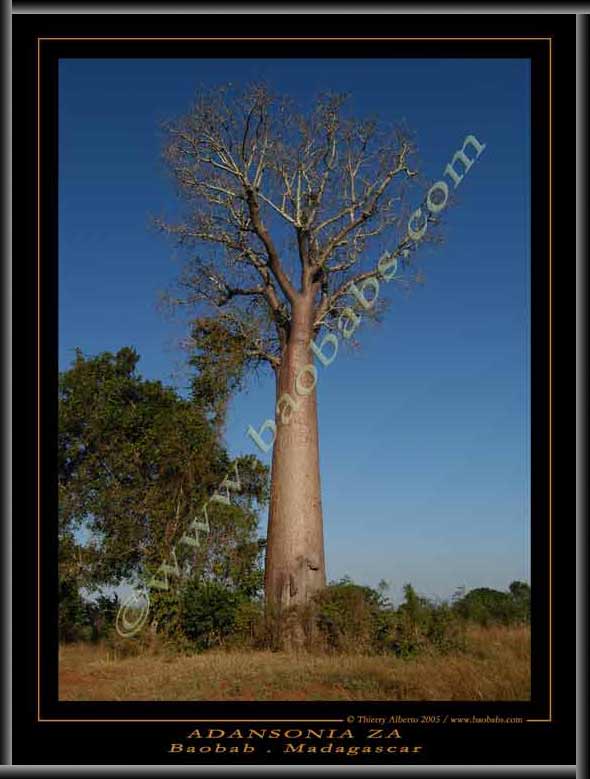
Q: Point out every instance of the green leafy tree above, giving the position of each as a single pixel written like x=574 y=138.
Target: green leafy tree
x=136 y=464
x=487 y=606
x=521 y=595
x=209 y=612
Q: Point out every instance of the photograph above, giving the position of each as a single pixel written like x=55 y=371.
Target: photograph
x=291 y=439
x=294 y=379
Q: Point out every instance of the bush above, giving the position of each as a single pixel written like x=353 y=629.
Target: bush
x=84 y=620
x=166 y=615
x=420 y=625
x=73 y=617
x=209 y=613
x=445 y=633
x=349 y=617
x=101 y=616
x=249 y=629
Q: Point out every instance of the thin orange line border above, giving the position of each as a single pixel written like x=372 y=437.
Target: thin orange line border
x=550 y=236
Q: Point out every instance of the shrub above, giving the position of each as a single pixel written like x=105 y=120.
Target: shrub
x=166 y=615
x=249 y=629
x=420 y=625
x=73 y=618
x=209 y=613
x=349 y=617
x=82 y=619
x=445 y=633
x=101 y=615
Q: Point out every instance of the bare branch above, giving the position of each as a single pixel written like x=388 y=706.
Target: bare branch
x=270 y=192
x=370 y=205
x=278 y=209
x=274 y=262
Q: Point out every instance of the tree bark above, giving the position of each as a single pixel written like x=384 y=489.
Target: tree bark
x=295 y=565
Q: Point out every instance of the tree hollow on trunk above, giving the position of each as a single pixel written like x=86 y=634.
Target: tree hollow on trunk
x=295 y=565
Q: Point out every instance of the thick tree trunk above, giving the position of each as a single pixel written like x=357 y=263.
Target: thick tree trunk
x=295 y=566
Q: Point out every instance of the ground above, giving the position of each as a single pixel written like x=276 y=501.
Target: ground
x=495 y=666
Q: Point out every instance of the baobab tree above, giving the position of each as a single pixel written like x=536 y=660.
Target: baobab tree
x=284 y=212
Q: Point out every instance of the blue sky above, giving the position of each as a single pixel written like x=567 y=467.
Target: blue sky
x=424 y=432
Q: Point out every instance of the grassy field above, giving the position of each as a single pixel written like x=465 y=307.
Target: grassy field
x=496 y=666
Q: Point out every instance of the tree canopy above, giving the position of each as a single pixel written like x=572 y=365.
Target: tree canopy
x=280 y=205
x=485 y=605
x=136 y=462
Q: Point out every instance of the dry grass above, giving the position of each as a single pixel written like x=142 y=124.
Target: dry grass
x=496 y=666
